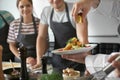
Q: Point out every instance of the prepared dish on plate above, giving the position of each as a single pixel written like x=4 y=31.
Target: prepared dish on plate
x=73 y=44
x=70 y=74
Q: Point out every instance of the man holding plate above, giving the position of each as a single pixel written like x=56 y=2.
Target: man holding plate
x=93 y=62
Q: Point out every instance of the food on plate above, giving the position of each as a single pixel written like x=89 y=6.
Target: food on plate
x=73 y=43
x=70 y=74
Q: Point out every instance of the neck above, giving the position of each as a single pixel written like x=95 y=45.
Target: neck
x=27 y=19
x=61 y=8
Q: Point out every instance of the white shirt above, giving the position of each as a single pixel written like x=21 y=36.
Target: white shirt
x=110 y=7
x=95 y=63
x=58 y=16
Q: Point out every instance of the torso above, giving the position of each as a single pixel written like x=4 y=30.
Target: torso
x=58 y=16
x=26 y=29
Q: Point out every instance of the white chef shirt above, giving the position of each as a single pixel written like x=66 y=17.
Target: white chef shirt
x=95 y=63
x=110 y=8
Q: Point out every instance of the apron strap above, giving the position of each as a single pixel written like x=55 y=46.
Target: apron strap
x=67 y=12
x=34 y=24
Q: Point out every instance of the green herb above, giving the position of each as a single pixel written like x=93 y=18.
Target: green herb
x=52 y=76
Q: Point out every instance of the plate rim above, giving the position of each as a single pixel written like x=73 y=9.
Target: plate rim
x=67 y=51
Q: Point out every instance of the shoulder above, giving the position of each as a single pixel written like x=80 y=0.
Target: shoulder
x=47 y=10
x=15 y=22
x=37 y=19
x=70 y=5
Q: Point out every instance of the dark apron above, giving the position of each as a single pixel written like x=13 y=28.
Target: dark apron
x=63 y=32
x=3 y=37
x=28 y=40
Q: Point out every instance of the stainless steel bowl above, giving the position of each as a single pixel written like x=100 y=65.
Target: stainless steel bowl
x=8 y=74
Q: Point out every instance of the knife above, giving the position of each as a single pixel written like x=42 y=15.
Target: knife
x=100 y=75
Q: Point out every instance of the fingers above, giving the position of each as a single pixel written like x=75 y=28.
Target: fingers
x=67 y=56
x=86 y=73
x=113 y=57
x=78 y=57
x=115 y=64
x=80 y=7
x=75 y=10
x=31 y=61
x=36 y=66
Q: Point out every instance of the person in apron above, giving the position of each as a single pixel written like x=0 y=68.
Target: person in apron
x=23 y=31
x=58 y=18
x=28 y=40
x=61 y=37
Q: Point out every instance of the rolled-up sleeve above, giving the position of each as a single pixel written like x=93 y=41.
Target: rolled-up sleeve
x=97 y=62
x=11 y=34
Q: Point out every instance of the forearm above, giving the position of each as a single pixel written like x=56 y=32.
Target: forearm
x=14 y=50
x=42 y=47
x=82 y=31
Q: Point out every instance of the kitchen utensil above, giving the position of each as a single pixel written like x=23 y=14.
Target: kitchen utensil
x=100 y=75
x=9 y=76
x=14 y=72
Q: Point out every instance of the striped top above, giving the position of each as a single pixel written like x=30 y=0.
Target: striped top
x=25 y=29
x=7 y=16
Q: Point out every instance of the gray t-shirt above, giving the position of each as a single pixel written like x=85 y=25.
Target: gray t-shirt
x=57 y=17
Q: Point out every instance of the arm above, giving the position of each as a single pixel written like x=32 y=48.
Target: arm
x=14 y=50
x=82 y=31
x=82 y=34
x=115 y=64
x=95 y=63
x=106 y=7
x=1 y=71
x=42 y=43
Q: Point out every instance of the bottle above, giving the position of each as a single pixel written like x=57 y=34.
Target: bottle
x=44 y=65
x=23 y=54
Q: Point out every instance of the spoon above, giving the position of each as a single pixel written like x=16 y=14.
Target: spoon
x=14 y=72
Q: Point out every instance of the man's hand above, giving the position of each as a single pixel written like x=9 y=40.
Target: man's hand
x=31 y=61
x=115 y=64
x=37 y=65
x=78 y=57
x=83 y=6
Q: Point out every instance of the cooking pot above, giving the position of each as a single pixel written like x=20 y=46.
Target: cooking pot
x=8 y=74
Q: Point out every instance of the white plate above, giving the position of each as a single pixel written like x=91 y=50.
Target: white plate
x=79 y=50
